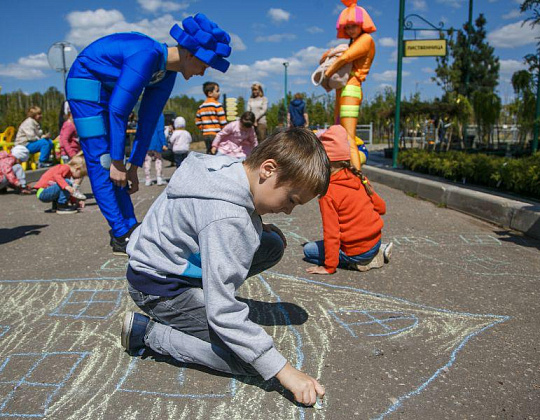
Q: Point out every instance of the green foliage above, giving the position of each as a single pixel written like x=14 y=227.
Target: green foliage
x=521 y=176
x=14 y=106
x=185 y=106
x=470 y=57
x=487 y=107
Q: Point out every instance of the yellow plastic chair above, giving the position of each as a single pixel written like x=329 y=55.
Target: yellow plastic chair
x=5 y=139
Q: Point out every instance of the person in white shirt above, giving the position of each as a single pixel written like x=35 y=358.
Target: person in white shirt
x=180 y=140
x=258 y=104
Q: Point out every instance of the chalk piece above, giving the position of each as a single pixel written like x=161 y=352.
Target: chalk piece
x=319 y=404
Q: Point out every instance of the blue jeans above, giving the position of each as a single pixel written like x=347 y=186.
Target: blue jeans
x=55 y=193
x=43 y=146
x=314 y=253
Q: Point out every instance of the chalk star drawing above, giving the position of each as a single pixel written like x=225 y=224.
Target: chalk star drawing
x=375 y=324
x=299 y=313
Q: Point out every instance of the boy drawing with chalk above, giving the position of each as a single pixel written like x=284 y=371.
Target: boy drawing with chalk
x=199 y=242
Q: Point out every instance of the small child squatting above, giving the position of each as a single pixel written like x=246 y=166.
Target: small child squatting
x=199 y=242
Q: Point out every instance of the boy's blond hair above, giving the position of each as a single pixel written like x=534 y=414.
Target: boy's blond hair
x=300 y=157
x=78 y=162
x=33 y=111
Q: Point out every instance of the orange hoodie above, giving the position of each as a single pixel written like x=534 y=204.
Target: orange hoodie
x=351 y=218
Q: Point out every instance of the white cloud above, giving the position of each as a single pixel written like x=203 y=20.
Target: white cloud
x=26 y=68
x=275 y=38
x=514 y=35
x=161 y=5
x=428 y=70
x=236 y=43
x=314 y=30
x=406 y=60
x=373 y=11
x=383 y=86
x=456 y=4
x=509 y=67
x=512 y=14
x=388 y=75
x=278 y=15
x=89 y=25
x=301 y=65
x=335 y=42
x=34 y=61
x=420 y=5
x=387 y=42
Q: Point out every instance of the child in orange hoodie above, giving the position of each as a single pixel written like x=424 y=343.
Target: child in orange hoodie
x=351 y=215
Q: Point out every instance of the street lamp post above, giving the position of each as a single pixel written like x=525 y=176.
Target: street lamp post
x=285 y=64
x=398 y=82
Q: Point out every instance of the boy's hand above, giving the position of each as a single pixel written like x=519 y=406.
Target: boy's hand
x=133 y=179
x=273 y=228
x=213 y=150
x=70 y=189
x=304 y=388
x=118 y=173
x=317 y=270
x=81 y=204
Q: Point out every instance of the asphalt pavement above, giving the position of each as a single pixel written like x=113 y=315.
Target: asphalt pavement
x=447 y=330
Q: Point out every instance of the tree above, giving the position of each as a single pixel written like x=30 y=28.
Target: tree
x=487 y=107
x=477 y=59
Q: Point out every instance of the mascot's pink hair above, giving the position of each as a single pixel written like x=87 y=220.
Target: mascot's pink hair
x=354 y=15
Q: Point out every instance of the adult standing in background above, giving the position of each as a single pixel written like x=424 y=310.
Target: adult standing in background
x=258 y=104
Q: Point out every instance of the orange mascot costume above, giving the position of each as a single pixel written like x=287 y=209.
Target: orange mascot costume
x=354 y=23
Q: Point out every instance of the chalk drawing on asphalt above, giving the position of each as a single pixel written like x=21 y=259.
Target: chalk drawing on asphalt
x=84 y=303
x=34 y=378
x=316 y=331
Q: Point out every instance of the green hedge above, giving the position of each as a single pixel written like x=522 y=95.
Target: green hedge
x=521 y=176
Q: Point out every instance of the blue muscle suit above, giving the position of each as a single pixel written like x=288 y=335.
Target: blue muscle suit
x=103 y=86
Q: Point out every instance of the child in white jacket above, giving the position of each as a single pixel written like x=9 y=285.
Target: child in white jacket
x=179 y=140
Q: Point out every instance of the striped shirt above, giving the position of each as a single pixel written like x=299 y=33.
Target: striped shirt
x=210 y=117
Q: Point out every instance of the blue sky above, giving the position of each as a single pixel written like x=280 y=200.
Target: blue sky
x=265 y=34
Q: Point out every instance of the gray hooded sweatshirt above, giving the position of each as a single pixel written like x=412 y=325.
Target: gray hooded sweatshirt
x=204 y=225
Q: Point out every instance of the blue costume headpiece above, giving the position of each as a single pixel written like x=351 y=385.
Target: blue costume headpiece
x=205 y=40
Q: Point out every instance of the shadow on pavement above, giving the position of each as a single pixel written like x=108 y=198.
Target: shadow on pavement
x=269 y=314
x=509 y=236
x=12 y=234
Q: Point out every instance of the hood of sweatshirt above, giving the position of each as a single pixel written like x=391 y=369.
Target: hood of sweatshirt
x=219 y=178
x=346 y=178
x=297 y=102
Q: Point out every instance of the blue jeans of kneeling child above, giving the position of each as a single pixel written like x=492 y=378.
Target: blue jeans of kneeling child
x=55 y=193
x=181 y=329
x=314 y=253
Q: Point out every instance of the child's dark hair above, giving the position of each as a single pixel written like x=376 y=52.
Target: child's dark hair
x=300 y=157
x=346 y=164
x=208 y=87
x=248 y=117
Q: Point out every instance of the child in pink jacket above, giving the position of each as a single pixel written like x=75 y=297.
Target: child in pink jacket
x=237 y=139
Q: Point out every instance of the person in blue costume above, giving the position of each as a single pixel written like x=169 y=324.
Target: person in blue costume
x=103 y=86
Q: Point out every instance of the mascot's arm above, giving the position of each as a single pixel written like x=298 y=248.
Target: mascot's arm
x=361 y=47
x=135 y=75
x=152 y=104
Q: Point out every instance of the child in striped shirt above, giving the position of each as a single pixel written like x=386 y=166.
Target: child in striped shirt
x=210 y=117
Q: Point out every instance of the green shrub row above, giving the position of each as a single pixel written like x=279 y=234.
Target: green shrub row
x=521 y=176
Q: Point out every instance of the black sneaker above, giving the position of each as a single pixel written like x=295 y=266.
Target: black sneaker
x=44 y=165
x=133 y=332
x=65 y=209
x=119 y=245
x=54 y=207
